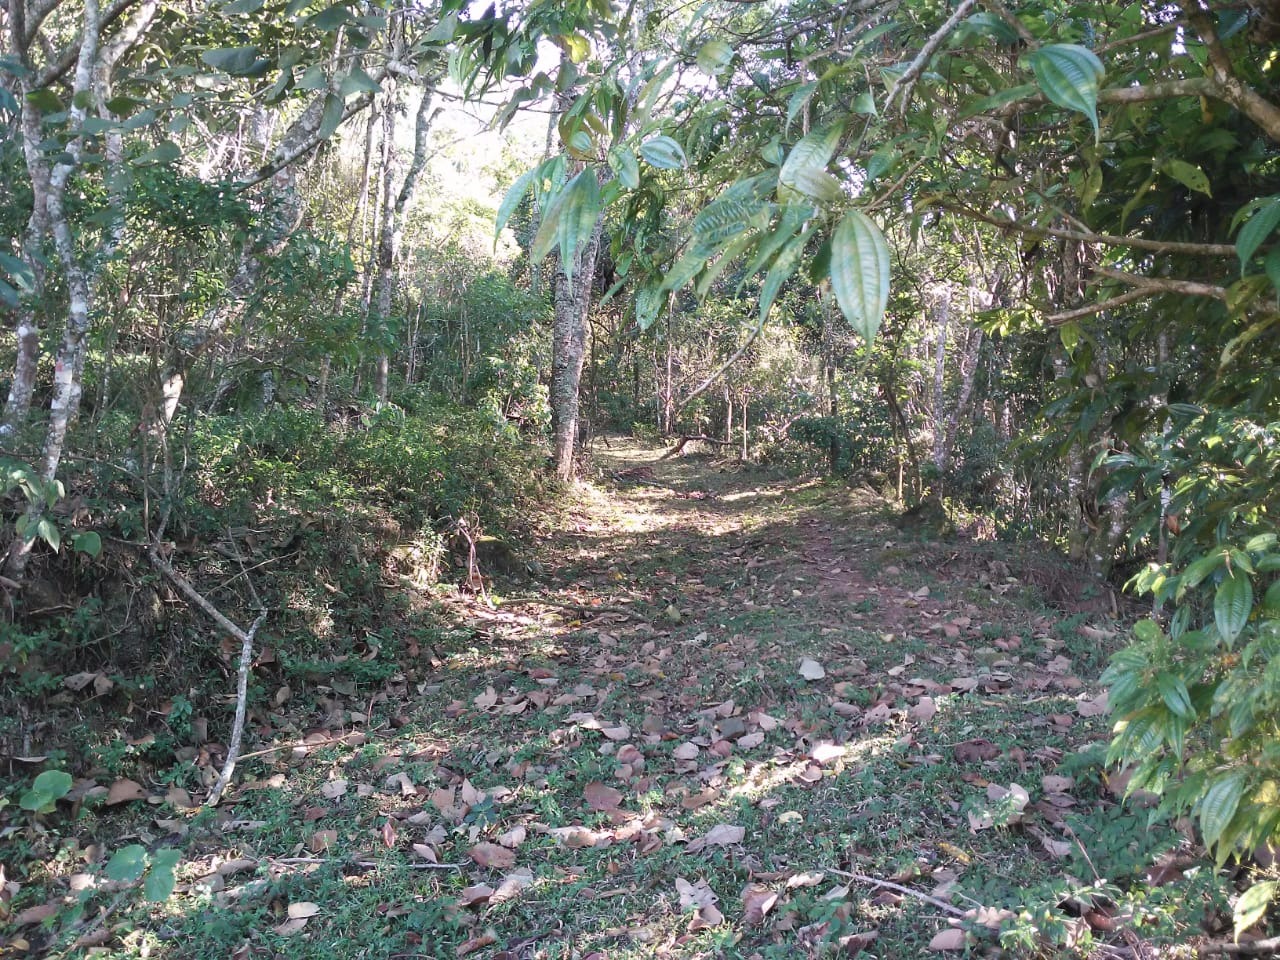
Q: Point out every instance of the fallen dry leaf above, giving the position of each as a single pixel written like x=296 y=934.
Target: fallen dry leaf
x=303 y=909
x=479 y=893
x=492 y=855
x=924 y=710
x=486 y=939
x=333 y=789
x=972 y=751
x=322 y=841
x=953 y=938
x=513 y=837
x=1096 y=707
x=37 y=914
x=811 y=669
x=513 y=884
x=123 y=790
x=721 y=835
x=601 y=797
x=756 y=902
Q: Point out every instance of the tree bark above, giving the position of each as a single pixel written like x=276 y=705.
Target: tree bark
x=568 y=349
x=391 y=232
x=70 y=357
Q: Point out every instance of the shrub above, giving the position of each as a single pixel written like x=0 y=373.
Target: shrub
x=1197 y=704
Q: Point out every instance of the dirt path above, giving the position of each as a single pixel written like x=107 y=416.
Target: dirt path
x=735 y=715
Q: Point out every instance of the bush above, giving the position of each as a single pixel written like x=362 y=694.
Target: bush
x=1197 y=705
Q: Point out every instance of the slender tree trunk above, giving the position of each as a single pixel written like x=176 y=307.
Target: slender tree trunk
x=568 y=350
x=69 y=362
x=943 y=314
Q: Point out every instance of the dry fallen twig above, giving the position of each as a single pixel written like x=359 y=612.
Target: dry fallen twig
x=899 y=888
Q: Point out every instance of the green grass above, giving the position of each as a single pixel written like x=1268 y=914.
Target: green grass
x=891 y=798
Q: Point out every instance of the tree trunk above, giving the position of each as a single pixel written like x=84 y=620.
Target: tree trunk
x=568 y=350
x=943 y=314
x=69 y=362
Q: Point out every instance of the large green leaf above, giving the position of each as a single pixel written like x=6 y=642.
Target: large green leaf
x=714 y=56
x=1253 y=904
x=663 y=152
x=1188 y=174
x=1220 y=803
x=1232 y=604
x=811 y=154
x=512 y=200
x=860 y=272
x=127 y=864
x=161 y=878
x=1257 y=229
x=578 y=219
x=791 y=219
x=625 y=165
x=1174 y=693
x=357 y=81
x=331 y=116
x=783 y=267
x=1069 y=75
x=237 y=61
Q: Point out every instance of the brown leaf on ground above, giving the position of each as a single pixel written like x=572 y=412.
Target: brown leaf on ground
x=486 y=939
x=756 y=902
x=579 y=837
x=513 y=837
x=37 y=914
x=1096 y=707
x=123 y=790
x=492 y=855
x=601 y=797
x=322 y=841
x=953 y=938
x=303 y=910
x=721 y=835
x=811 y=669
x=513 y=884
x=973 y=751
x=924 y=710
x=479 y=893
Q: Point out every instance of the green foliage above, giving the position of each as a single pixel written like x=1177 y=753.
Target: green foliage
x=1197 y=705
x=49 y=787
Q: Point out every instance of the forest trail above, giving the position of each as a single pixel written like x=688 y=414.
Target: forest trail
x=734 y=715
x=727 y=693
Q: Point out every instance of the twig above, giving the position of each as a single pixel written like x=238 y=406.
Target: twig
x=907 y=82
x=1067 y=316
x=717 y=374
x=1164 y=285
x=237 y=726
x=366 y=863
x=1250 y=948
x=889 y=884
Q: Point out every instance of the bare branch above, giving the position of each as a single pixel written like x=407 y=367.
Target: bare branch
x=907 y=82
x=1066 y=316
x=1154 y=285
x=1106 y=239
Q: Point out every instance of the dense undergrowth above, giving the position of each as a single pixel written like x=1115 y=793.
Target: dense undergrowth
x=338 y=529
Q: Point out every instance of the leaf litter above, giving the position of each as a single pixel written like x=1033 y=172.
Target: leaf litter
x=815 y=710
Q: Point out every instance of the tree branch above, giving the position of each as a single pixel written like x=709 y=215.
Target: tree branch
x=1154 y=285
x=242 y=675
x=1228 y=87
x=71 y=53
x=1066 y=316
x=1106 y=239
x=1005 y=14
x=907 y=82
